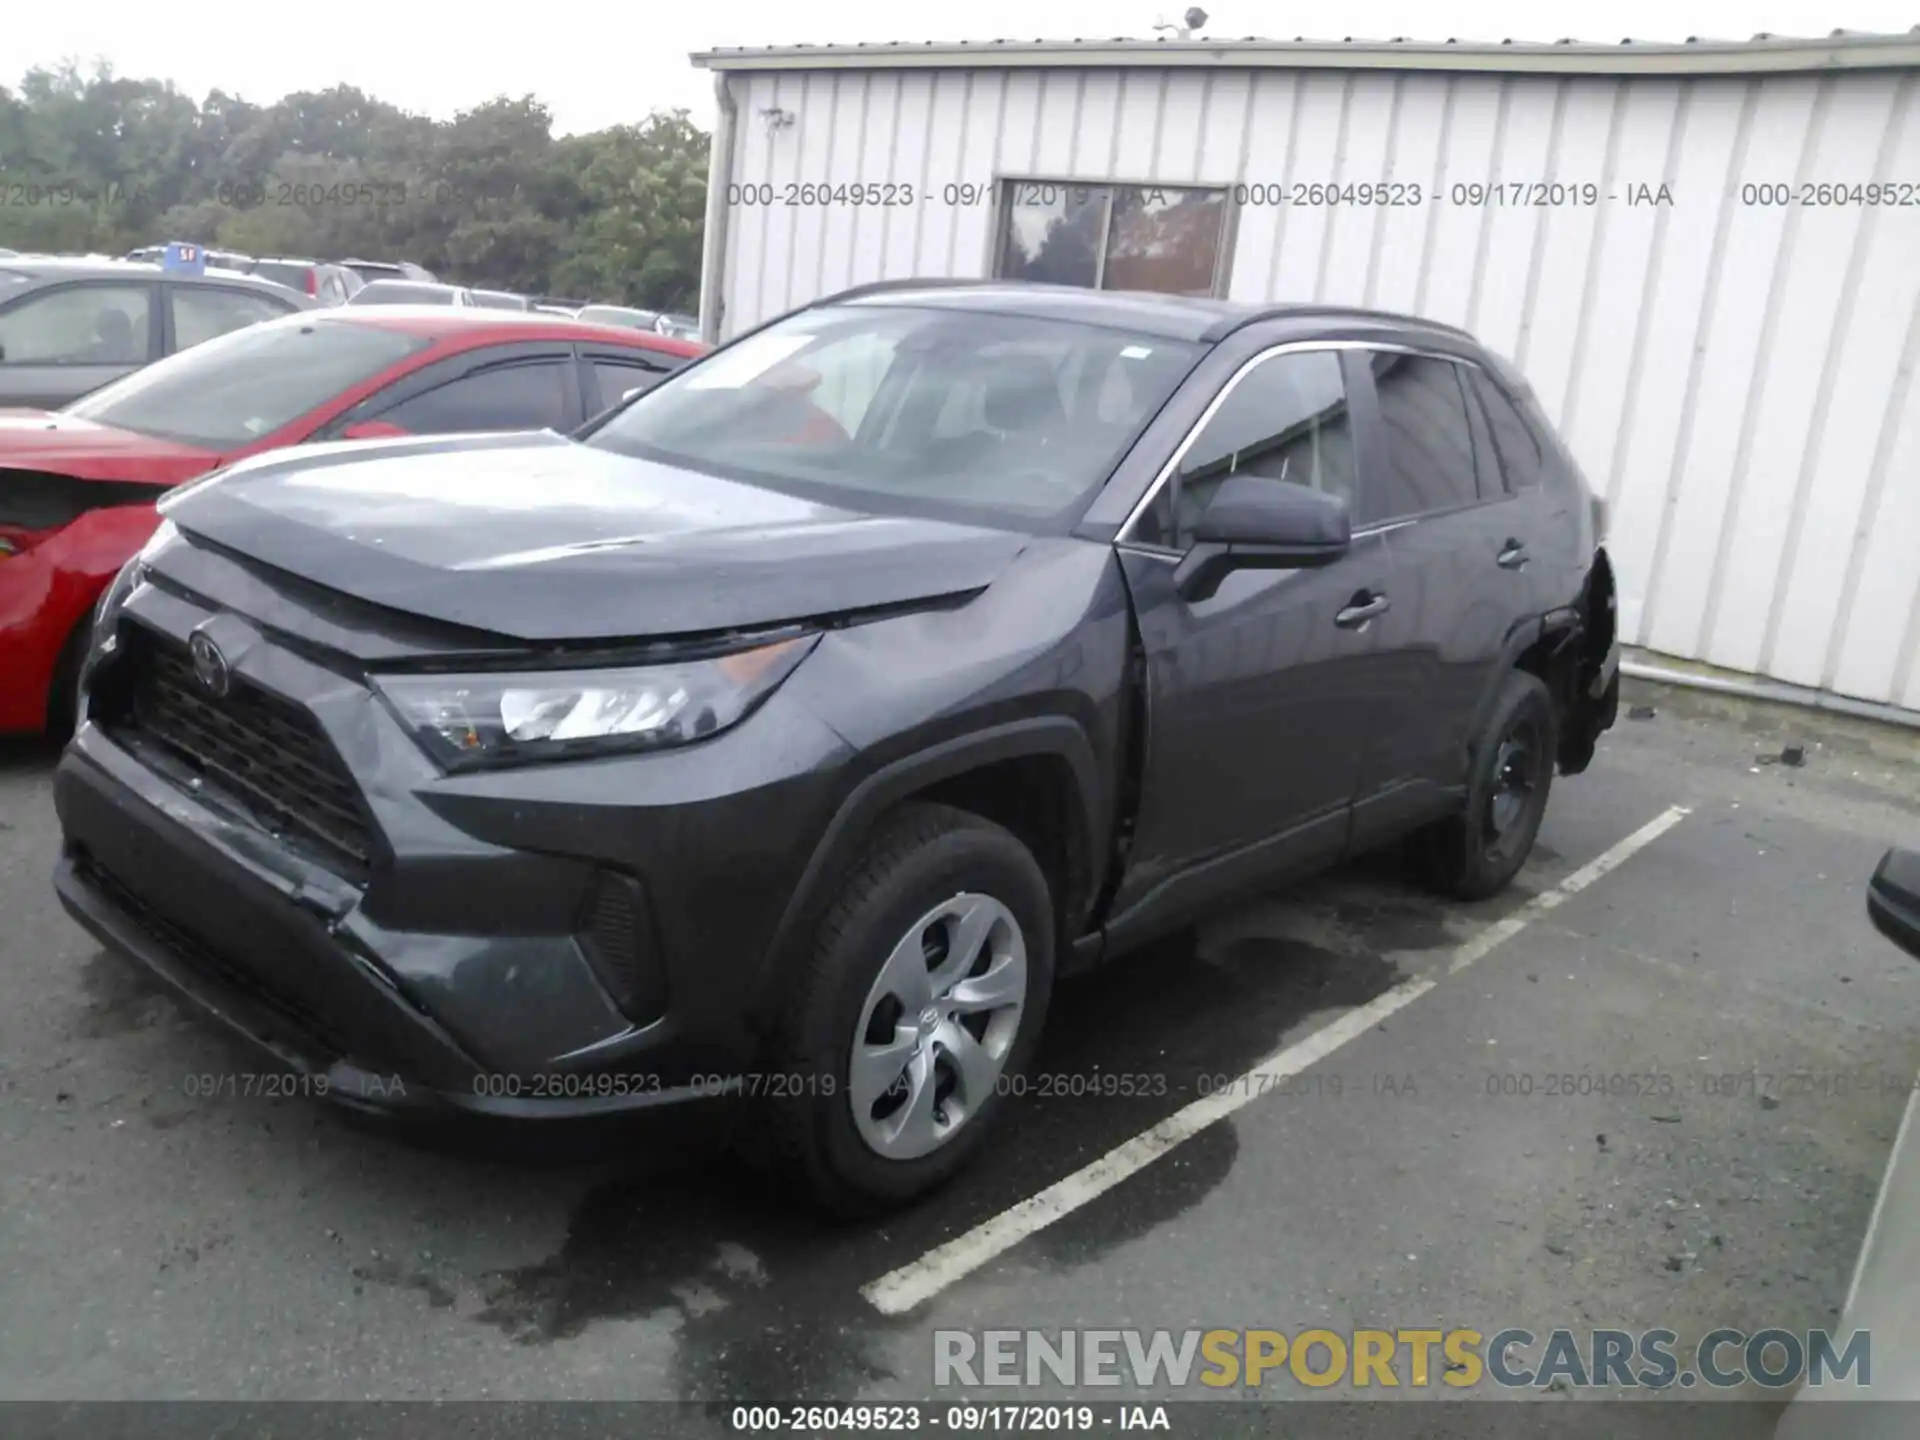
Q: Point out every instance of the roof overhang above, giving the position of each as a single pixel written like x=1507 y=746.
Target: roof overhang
x=1763 y=54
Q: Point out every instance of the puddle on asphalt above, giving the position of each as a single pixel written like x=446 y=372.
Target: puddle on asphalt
x=759 y=1298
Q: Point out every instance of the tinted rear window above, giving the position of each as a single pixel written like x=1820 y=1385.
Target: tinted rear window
x=247 y=384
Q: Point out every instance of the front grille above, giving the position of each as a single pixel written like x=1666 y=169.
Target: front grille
x=191 y=952
x=261 y=751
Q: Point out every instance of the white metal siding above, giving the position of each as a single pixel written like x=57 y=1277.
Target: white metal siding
x=1738 y=380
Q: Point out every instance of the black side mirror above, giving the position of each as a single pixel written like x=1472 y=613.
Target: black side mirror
x=1254 y=523
x=1893 y=899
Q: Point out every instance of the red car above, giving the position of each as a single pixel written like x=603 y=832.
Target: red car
x=78 y=486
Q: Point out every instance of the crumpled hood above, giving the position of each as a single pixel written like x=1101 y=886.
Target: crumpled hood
x=538 y=538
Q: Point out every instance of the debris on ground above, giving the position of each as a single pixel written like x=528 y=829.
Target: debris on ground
x=1642 y=712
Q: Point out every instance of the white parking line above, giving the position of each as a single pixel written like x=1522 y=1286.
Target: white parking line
x=900 y=1290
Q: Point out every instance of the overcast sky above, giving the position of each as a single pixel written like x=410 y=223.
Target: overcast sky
x=607 y=62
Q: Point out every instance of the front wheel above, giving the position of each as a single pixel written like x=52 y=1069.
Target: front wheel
x=925 y=992
x=1476 y=853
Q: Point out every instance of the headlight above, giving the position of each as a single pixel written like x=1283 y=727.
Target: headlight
x=122 y=584
x=481 y=719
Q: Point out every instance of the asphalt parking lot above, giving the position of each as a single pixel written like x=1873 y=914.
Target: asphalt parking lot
x=159 y=1243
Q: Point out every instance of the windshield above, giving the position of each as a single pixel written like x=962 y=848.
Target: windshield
x=952 y=413
x=246 y=384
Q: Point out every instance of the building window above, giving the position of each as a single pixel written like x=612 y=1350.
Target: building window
x=1113 y=237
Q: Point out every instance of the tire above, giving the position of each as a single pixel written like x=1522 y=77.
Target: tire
x=1476 y=853
x=63 y=691
x=923 y=861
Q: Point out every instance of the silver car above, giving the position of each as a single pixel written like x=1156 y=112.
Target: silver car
x=68 y=325
x=1884 y=1299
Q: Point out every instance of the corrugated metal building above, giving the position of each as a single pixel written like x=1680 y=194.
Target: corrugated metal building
x=1705 y=256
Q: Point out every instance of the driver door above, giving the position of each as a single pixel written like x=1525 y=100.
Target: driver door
x=1261 y=697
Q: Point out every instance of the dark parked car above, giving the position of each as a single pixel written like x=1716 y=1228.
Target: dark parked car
x=1883 y=1300
x=409 y=292
x=809 y=716
x=67 y=327
x=371 y=270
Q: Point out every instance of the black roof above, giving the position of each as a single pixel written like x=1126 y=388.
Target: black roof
x=1172 y=317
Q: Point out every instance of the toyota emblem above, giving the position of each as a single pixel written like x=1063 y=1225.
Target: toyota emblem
x=210 y=666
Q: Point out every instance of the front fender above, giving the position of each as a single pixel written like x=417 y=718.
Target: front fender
x=1054 y=736
x=46 y=591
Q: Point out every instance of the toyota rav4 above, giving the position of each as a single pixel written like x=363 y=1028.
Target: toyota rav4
x=795 y=726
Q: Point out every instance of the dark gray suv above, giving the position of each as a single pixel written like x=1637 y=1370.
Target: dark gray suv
x=788 y=734
x=68 y=326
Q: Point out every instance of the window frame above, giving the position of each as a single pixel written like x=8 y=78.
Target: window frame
x=157 y=326
x=1003 y=191
x=171 y=291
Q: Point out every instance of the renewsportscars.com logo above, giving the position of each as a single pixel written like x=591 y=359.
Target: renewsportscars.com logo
x=1513 y=1358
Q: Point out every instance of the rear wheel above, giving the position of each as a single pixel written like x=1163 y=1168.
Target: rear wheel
x=1477 y=852
x=925 y=992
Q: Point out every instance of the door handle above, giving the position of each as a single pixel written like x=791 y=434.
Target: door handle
x=1512 y=556
x=1362 y=608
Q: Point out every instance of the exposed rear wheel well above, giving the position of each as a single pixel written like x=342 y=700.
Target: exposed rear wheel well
x=1568 y=659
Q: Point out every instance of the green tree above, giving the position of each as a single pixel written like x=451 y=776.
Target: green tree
x=489 y=198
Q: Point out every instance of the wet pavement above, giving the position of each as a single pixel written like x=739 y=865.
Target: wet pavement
x=1448 y=1166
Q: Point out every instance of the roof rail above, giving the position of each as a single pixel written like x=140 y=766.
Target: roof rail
x=1227 y=325
x=882 y=287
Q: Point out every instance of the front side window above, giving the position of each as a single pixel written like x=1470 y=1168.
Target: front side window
x=78 y=325
x=1284 y=419
x=200 y=313
x=935 y=411
x=528 y=396
x=1162 y=238
x=1430 y=454
x=247 y=383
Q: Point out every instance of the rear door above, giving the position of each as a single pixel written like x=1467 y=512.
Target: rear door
x=59 y=342
x=1461 y=549
x=1261 y=697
